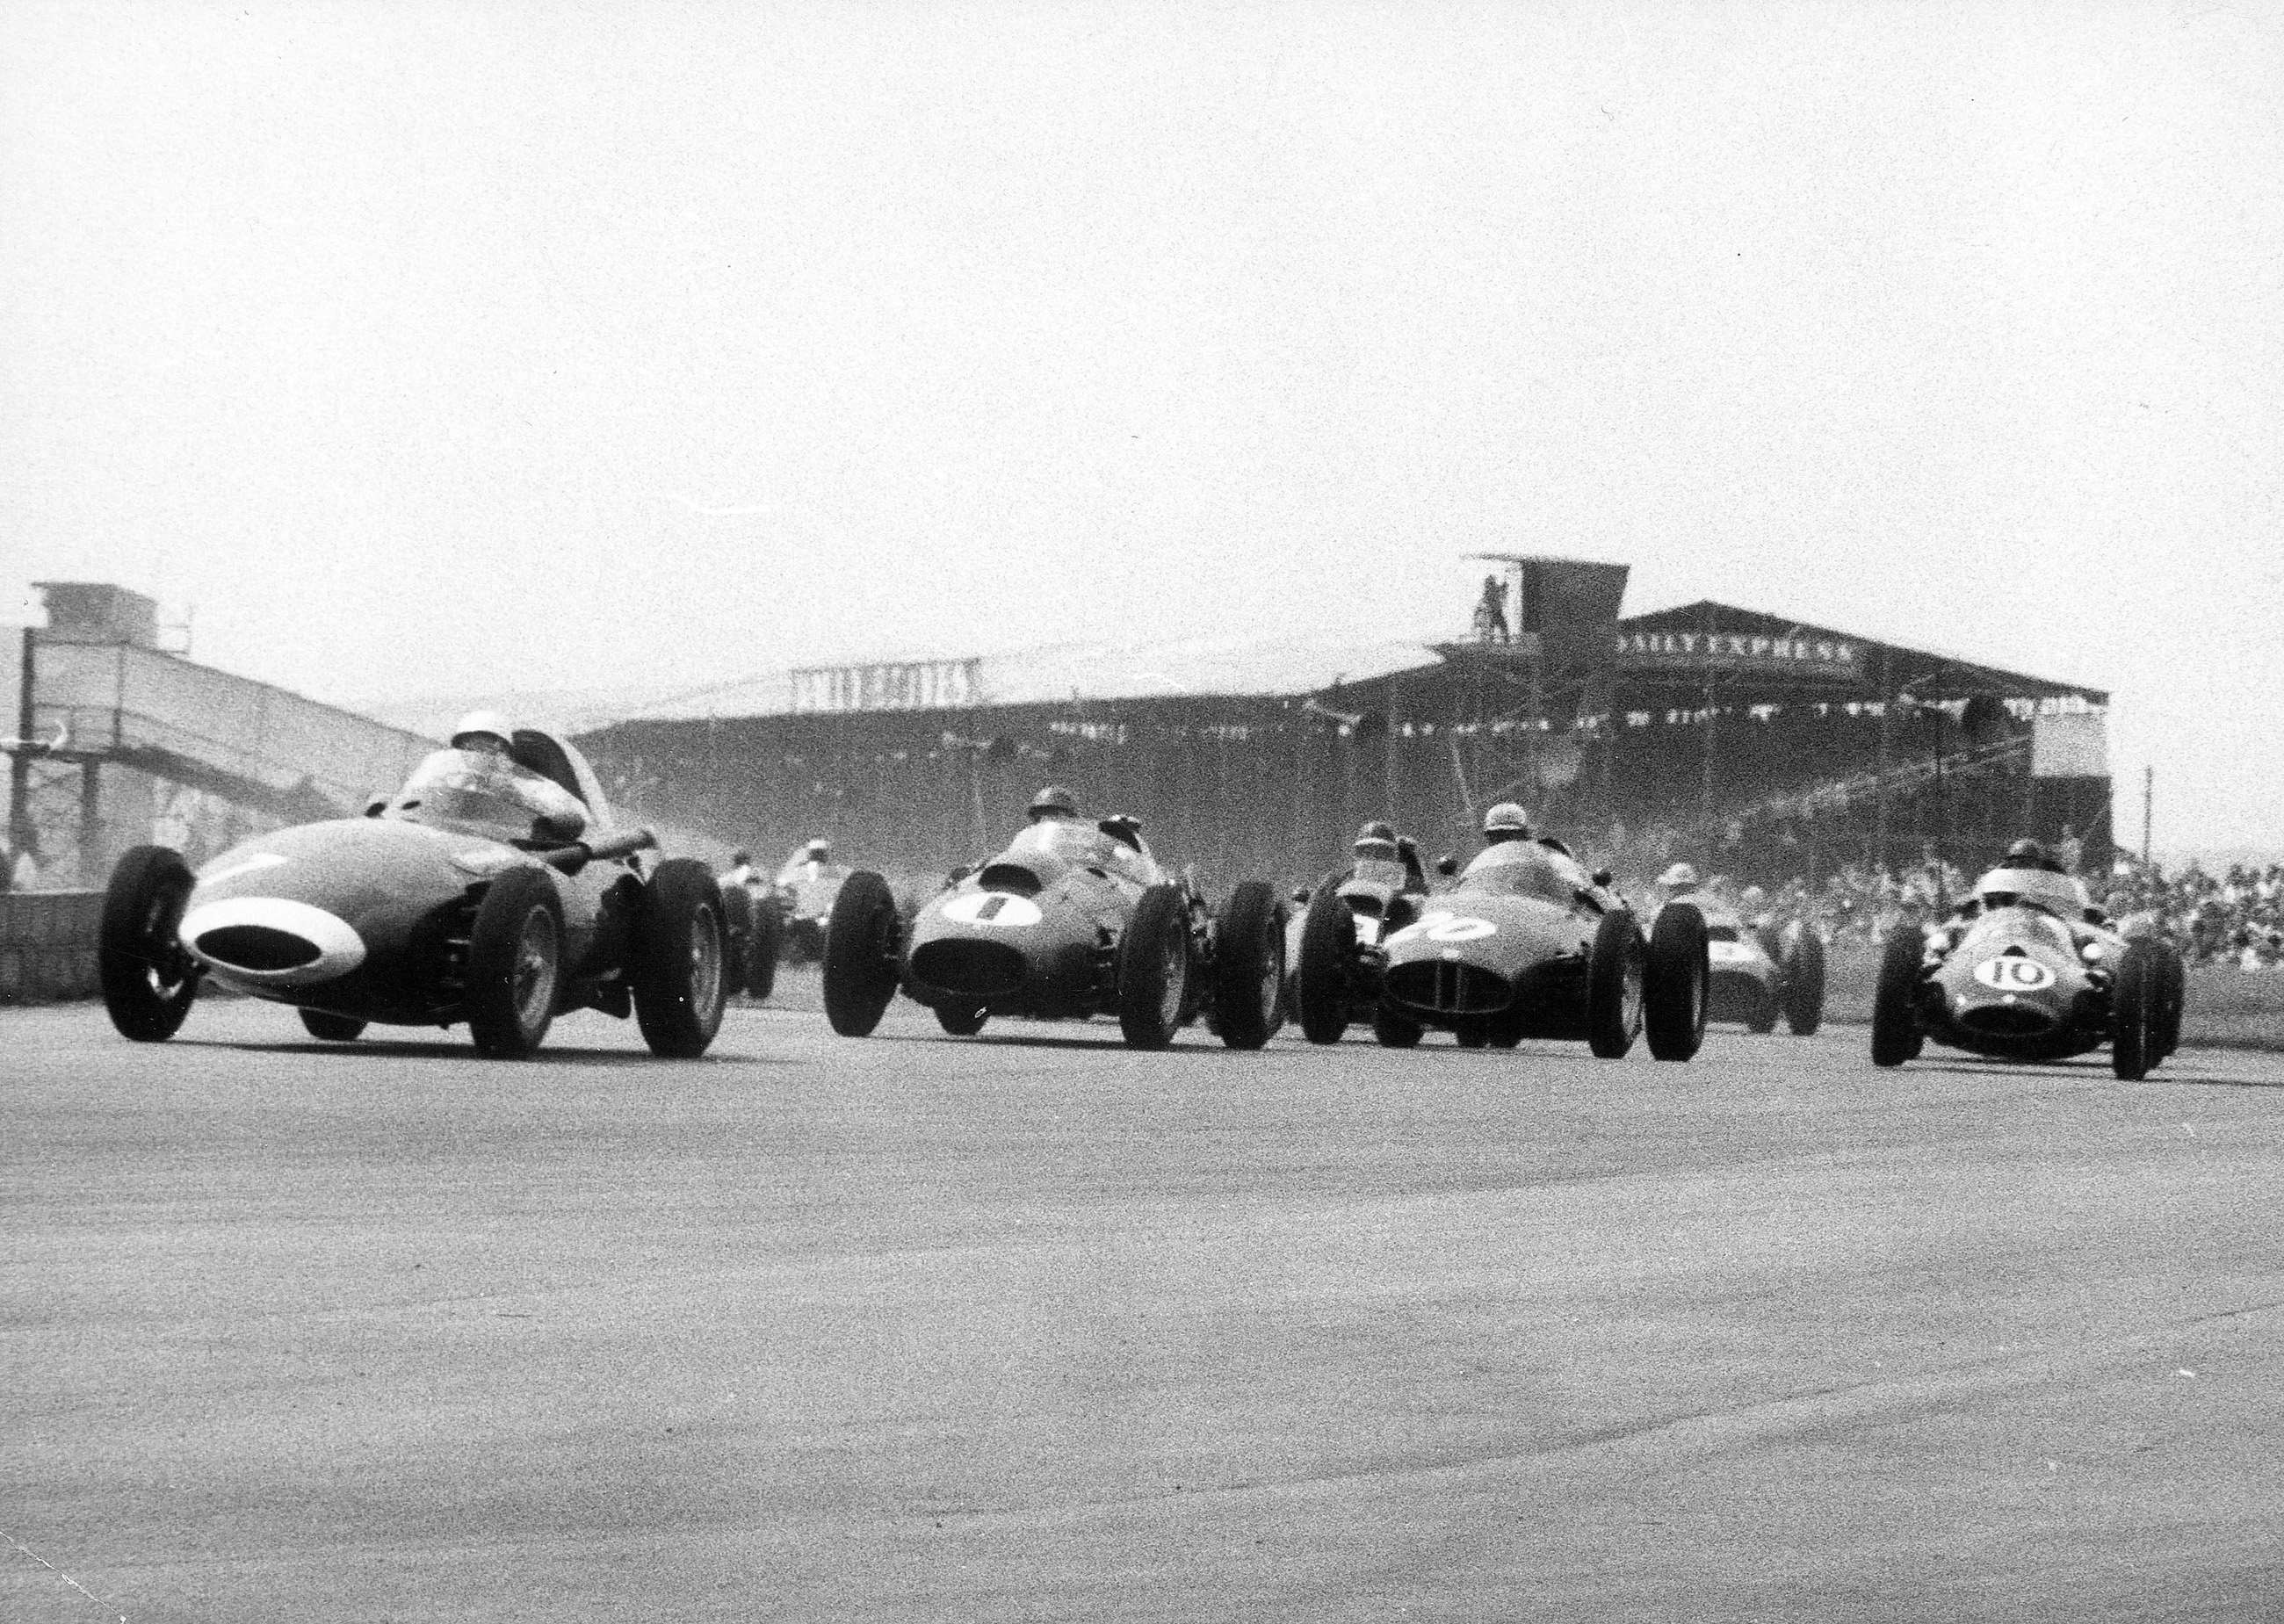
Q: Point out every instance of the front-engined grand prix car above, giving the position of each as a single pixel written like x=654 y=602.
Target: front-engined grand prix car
x=1075 y=918
x=490 y=889
x=1527 y=944
x=2029 y=970
x=1760 y=973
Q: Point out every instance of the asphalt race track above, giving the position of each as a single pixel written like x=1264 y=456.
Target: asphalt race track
x=1032 y=1327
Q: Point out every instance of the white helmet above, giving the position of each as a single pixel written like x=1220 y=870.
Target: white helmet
x=483 y=724
x=1507 y=818
x=1680 y=877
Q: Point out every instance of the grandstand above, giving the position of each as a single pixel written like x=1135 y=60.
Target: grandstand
x=1760 y=745
x=118 y=741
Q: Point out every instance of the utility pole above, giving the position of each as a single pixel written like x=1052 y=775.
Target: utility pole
x=2148 y=800
x=21 y=837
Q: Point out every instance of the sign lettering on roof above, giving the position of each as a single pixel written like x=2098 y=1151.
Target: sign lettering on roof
x=910 y=685
x=1797 y=654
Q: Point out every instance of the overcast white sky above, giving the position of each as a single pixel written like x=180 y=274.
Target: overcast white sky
x=438 y=347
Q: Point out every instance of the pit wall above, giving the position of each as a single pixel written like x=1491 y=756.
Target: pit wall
x=47 y=945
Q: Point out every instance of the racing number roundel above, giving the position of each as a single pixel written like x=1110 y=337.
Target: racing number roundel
x=992 y=908
x=2014 y=973
x=1445 y=926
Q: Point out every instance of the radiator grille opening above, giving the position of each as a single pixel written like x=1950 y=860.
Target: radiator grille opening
x=1448 y=988
x=973 y=969
x=259 y=947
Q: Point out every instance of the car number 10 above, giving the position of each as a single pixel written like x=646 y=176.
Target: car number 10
x=2013 y=974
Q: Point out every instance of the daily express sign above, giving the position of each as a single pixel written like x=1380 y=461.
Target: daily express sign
x=1733 y=651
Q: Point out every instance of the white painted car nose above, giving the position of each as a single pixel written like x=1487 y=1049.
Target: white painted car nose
x=271 y=942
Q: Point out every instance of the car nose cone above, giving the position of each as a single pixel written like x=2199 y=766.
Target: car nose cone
x=271 y=942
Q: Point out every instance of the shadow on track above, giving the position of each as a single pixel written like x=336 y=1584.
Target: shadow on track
x=464 y=1051
x=2087 y=1070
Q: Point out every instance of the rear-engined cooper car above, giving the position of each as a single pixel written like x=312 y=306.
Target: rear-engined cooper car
x=2028 y=970
x=1336 y=942
x=1075 y=918
x=1528 y=944
x=497 y=891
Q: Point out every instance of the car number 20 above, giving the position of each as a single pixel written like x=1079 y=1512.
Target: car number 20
x=2013 y=974
x=1443 y=926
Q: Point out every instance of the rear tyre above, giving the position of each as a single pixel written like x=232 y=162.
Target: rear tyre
x=1614 y=972
x=1248 y=969
x=1803 y=980
x=961 y=1020
x=1392 y=1029
x=864 y=941
x=328 y=1027
x=148 y=980
x=1320 y=991
x=1763 y=1020
x=1154 y=969
x=1895 y=1036
x=763 y=948
x=1472 y=1034
x=2137 y=1012
x=1675 y=998
x=1504 y=1031
x=681 y=968
x=515 y=963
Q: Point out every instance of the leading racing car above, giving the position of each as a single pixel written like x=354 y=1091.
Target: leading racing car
x=2028 y=970
x=1075 y=918
x=1527 y=944
x=493 y=888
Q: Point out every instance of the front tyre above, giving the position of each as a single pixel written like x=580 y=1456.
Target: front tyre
x=328 y=1027
x=1614 y=986
x=1393 y=1029
x=515 y=961
x=1248 y=969
x=864 y=941
x=1803 y=980
x=681 y=964
x=1320 y=990
x=1674 y=995
x=148 y=980
x=1895 y=1036
x=1154 y=968
x=961 y=1019
x=2136 y=1006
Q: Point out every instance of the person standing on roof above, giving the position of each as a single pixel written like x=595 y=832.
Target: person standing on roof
x=1490 y=610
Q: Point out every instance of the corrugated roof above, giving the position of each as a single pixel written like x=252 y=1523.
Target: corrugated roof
x=1297 y=663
